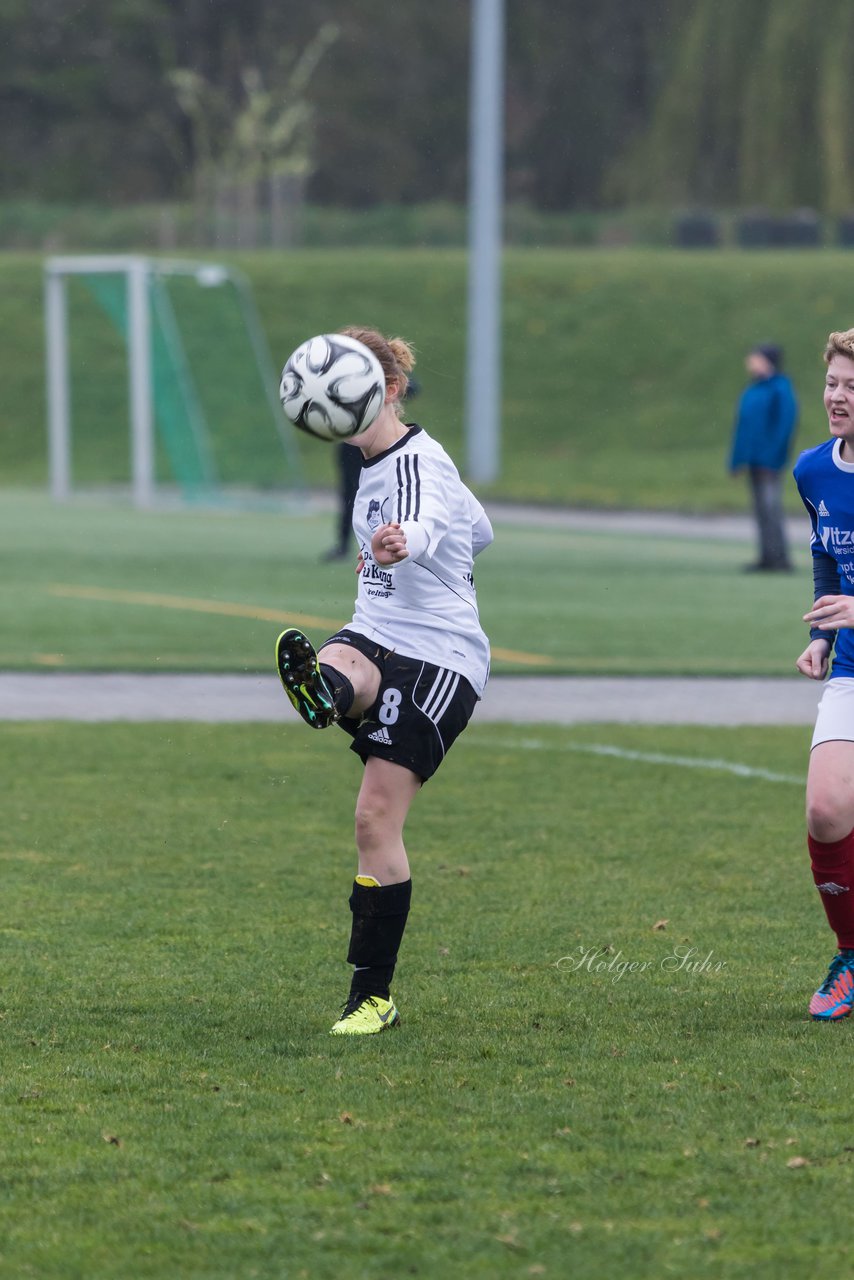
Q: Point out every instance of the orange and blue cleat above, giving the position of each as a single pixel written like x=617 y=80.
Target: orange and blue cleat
x=835 y=997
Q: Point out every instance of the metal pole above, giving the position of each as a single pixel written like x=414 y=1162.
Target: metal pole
x=58 y=395
x=139 y=383
x=486 y=148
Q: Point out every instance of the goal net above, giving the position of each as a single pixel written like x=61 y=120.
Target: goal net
x=159 y=376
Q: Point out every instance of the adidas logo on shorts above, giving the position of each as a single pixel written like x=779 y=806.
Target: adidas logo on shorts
x=381 y=735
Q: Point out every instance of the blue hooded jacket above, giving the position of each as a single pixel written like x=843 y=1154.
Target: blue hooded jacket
x=765 y=423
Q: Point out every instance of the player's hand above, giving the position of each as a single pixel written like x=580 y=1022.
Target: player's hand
x=813 y=660
x=388 y=545
x=360 y=563
x=831 y=612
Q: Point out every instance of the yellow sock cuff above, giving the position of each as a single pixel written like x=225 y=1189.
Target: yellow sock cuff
x=368 y=882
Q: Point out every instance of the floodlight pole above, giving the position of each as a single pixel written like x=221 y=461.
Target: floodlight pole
x=58 y=402
x=139 y=383
x=486 y=155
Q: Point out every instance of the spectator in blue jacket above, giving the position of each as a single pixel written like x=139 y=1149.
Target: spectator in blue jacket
x=765 y=423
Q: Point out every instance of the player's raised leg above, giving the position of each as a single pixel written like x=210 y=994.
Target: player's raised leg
x=326 y=686
x=345 y=666
x=830 y=822
x=381 y=896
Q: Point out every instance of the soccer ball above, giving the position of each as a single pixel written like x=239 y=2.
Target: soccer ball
x=332 y=386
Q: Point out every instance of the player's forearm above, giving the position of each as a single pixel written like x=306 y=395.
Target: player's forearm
x=825 y=577
x=418 y=540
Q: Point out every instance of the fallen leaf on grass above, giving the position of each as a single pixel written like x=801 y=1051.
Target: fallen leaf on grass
x=112 y=1139
x=797 y=1162
x=751 y=1142
x=345 y=1117
x=509 y=1241
x=659 y=925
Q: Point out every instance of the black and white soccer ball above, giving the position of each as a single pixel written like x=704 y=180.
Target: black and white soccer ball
x=332 y=386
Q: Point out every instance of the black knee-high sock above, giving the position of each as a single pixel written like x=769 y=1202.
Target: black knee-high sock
x=342 y=690
x=379 y=919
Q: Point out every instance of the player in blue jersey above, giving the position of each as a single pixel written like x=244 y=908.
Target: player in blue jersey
x=825 y=480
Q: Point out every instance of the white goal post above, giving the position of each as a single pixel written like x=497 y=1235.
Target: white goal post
x=140 y=275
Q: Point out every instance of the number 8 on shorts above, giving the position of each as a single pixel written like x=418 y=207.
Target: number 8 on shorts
x=389 y=708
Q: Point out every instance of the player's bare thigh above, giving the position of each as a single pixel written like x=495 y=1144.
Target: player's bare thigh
x=830 y=791
x=359 y=670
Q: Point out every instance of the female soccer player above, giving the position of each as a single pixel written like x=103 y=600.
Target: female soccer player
x=825 y=480
x=402 y=678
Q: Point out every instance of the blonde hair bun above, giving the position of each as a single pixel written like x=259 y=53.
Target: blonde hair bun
x=403 y=353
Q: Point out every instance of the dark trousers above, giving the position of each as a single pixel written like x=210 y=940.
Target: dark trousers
x=349 y=461
x=767 y=490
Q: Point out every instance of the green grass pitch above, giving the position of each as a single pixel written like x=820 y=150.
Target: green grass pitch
x=104 y=587
x=174 y=932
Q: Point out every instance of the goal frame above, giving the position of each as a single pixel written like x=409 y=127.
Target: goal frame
x=138 y=272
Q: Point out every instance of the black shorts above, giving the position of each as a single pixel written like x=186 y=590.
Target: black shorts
x=420 y=709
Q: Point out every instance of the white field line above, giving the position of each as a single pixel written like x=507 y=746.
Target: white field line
x=646 y=757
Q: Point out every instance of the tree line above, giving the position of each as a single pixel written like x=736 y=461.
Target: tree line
x=718 y=102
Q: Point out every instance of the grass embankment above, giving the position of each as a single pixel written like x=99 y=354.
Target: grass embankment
x=105 y=587
x=621 y=368
x=175 y=926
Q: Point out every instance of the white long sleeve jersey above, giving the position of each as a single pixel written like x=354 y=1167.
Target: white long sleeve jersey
x=425 y=607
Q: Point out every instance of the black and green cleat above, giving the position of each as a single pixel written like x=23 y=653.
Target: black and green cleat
x=302 y=680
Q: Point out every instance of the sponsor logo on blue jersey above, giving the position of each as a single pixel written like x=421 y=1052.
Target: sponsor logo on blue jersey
x=833 y=538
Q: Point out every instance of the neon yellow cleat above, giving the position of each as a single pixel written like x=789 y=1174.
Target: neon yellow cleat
x=366 y=1016
x=302 y=679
